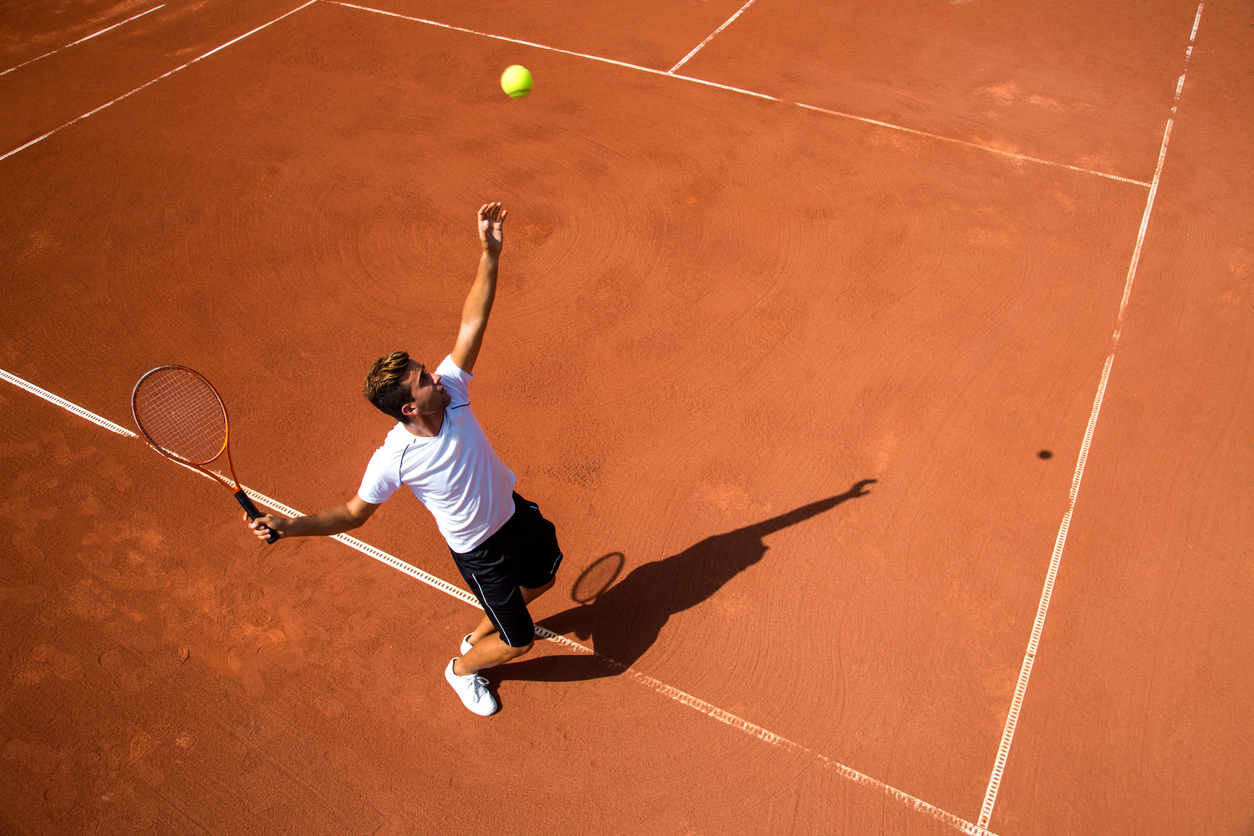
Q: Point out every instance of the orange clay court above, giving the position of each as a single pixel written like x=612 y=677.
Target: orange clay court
x=887 y=369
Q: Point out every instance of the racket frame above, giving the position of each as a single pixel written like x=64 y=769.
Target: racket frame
x=232 y=484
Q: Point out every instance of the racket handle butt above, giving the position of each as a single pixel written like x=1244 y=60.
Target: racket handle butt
x=253 y=514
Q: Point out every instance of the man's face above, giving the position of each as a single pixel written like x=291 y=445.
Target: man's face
x=425 y=390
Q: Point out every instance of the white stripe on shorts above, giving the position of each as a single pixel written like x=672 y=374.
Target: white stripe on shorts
x=483 y=599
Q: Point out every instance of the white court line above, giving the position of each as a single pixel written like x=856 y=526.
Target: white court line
x=1025 y=671
x=64 y=404
x=741 y=90
x=81 y=40
x=154 y=81
x=534 y=45
x=989 y=148
x=657 y=685
x=701 y=45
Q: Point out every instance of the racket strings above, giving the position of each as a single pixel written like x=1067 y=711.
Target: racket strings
x=179 y=412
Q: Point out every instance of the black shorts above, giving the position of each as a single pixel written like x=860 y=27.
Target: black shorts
x=523 y=553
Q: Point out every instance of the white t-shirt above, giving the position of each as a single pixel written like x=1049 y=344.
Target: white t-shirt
x=457 y=474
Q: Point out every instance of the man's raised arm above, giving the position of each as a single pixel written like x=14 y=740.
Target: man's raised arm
x=483 y=291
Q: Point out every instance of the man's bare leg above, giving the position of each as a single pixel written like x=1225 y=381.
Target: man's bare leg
x=494 y=651
x=488 y=653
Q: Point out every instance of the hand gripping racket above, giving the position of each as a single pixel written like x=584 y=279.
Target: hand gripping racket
x=183 y=418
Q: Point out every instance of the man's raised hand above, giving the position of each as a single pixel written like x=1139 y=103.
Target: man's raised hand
x=491 y=216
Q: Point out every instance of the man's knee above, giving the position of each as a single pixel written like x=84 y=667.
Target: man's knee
x=515 y=652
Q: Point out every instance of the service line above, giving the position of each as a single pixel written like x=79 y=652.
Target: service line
x=623 y=64
x=660 y=687
x=81 y=40
x=672 y=74
x=1038 y=625
x=154 y=81
x=989 y=148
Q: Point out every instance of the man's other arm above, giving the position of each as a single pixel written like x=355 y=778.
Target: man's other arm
x=337 y=520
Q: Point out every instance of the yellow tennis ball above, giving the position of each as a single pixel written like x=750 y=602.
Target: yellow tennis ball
x=516 y=81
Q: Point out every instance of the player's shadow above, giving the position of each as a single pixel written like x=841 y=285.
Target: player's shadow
x=625 y=620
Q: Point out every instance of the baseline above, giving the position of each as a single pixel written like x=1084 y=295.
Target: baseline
x=695 y=703
x=64 y=404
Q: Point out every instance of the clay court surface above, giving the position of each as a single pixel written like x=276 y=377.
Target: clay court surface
x=897 y=355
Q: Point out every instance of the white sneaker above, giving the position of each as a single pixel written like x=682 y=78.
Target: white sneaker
x=473 y=690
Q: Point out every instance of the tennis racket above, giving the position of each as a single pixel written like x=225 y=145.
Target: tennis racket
x=182 y=417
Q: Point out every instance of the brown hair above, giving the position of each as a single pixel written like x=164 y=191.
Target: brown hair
x=383 y=387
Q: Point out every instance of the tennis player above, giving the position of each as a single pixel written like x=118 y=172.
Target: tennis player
x=506 y=551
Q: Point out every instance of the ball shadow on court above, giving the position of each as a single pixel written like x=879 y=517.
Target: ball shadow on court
x=625 y=618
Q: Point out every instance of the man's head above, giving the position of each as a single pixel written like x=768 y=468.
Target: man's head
x=402 y=388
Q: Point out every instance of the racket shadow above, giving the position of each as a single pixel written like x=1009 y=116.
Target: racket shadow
x=625 y=620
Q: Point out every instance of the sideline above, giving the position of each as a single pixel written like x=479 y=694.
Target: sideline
x=701 y=45
x=81 y=40
x=1029 y=657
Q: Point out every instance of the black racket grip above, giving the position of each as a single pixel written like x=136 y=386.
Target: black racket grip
x=253 y=513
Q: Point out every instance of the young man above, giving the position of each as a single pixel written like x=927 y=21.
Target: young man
x=506 y=551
